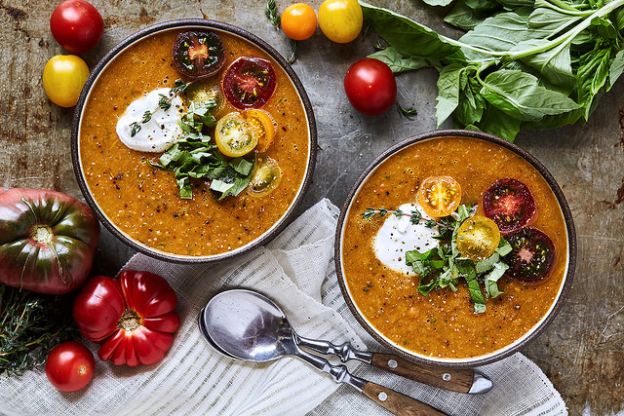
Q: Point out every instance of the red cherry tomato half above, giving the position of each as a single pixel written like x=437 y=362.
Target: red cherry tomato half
x=76 y=25
x=370 y=86
x=509 y=203
x=249 y=82
x=69 y=366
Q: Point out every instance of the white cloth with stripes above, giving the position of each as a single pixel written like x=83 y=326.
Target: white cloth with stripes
x=296 y=270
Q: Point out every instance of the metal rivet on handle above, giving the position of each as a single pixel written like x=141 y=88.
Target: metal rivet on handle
x=382 y=396
x=446 y=377
x=392 y=364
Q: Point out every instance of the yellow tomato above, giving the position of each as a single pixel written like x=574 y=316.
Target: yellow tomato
x=298 y=21
x=234 y=136
x=63 y=79
x=341 y=20
x=263 y=126
x=439 y=196
x=478 y=238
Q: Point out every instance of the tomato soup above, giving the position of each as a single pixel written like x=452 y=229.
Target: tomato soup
x=141 y=200
x=443 y=324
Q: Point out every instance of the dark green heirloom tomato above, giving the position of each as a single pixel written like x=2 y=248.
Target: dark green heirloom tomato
x=47 y=240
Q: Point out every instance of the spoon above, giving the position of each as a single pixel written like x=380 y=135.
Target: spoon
x=461 y=381
x=248 y=326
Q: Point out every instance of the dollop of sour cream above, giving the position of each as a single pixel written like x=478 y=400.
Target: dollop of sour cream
x=398 y=235
x=157 y=134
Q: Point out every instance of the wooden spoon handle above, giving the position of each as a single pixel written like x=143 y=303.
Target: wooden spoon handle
x=461 y=381
x=398 y=403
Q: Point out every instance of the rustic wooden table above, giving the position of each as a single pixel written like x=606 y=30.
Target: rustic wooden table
x=581 y=352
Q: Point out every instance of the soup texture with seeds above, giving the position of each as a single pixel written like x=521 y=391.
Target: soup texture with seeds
x=142 y=201
x=443 y=324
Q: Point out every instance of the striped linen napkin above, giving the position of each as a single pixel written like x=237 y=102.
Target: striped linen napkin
x=296 y=270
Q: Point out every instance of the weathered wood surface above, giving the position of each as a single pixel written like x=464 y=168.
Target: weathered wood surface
x=583 y=350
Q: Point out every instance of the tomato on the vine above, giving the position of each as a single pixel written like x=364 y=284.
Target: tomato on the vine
x=63 y=79
x=76 y=25
x=298 y=21
x=370 y=86
x=69 y=366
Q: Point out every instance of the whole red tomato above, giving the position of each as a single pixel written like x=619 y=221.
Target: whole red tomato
x=370 y=86
x=76 y=25
x=69 y=366
x=47 y=240
x=132 y=317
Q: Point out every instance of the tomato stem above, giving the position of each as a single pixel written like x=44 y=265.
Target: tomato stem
x=130 y=320
x=41 y=234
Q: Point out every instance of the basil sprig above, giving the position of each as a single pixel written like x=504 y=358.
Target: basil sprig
x=521 y=63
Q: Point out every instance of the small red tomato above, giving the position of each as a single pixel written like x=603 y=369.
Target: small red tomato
x=76 y=25
x=70 y=366
x=370 y=86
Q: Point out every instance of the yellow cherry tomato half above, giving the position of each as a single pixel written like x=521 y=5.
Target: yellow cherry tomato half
x=439 y=196
x=63 y=79
x=263 y=126
x=341 y=20
x=478 y=238
x=298 y=21
x=234 y=136
x=265 y=177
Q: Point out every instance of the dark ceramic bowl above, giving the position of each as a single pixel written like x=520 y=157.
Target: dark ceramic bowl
x=498 y=354
x=191 y=24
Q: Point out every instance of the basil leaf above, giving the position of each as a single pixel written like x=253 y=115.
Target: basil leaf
x=545 y=18
x=504 y=247
x=463 y=17
x=469 y=274
x=616 y=68
x=591 y=76
x=184 y=186
x=520 y=95
x=448 y=91
x=500 y=124
x=397 y=62
x=490 y=280
x=409 y=37
x=555 y=64
x=487 y=264
x=242 y=166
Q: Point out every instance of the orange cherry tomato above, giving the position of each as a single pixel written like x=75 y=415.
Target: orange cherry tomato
x=263 y=126
x=439 y=196
x=478 y=238
x=298 y=21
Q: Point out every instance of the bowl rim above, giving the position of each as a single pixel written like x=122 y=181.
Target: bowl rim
x=163 y=26
x=535 y=330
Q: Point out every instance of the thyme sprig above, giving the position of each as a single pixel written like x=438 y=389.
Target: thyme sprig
x=407 y=112
x=415 y=216
x=271 y=12
x=31 y=325
x=164 y=103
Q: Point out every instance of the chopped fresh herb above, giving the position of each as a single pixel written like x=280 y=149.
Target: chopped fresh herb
x=164 y=103
x=443 y=267
x=147 y=116
x=407 y=112
x=195 y=156
x=134 y=129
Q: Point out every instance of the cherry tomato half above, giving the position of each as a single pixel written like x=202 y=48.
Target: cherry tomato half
x=439 y=196
x=234 y=136
x=198 y=55
x=370 y=86
x=249 y=82
x=69 y=366
x=263 y=126
x=533 y=255
x=341 y=20
x=76 y=25
x=298 y=21
x=509 y=203
x=478 y=238
x=265 y=177
x=63 y=79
